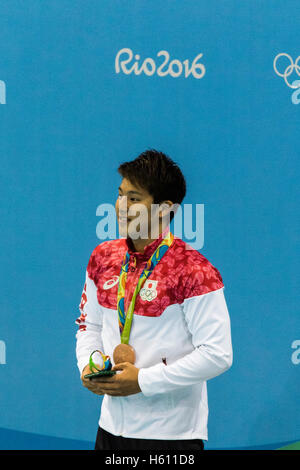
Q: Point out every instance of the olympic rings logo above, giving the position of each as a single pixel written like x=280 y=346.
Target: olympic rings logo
x=288 y=70
x=2 y=92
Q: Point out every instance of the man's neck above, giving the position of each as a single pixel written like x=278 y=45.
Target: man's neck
x=140 y=243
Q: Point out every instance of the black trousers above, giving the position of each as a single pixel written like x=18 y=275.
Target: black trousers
x=107 y=441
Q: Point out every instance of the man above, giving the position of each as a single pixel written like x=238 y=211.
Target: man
x=180 y=330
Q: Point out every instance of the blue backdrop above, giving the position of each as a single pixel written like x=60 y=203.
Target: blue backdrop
x=228 y=117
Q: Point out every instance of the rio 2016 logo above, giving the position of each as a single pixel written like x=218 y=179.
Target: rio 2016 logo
x=175 y=68
x=2 y=92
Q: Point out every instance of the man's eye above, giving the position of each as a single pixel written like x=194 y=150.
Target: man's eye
x=131 y=199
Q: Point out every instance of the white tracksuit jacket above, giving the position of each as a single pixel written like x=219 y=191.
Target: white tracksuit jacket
x=180 y=331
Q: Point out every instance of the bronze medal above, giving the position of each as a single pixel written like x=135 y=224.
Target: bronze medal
x=124 y=353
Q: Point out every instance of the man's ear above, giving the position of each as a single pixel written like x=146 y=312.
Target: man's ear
x=164 y=208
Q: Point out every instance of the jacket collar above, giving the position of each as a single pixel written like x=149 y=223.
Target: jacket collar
x=148 y=249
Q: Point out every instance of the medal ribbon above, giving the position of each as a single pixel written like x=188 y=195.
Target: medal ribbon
x=126 y=320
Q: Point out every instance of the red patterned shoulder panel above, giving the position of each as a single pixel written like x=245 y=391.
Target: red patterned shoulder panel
x=183 y=272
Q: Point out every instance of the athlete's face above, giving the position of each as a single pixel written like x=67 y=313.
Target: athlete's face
x=133 y=209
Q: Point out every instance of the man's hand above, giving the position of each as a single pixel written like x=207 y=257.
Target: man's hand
x=90 y=384
x=123 y=384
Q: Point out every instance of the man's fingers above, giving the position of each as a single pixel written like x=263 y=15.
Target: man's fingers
x=110 y=392
x=104 y=380
x=90 y=385
x=102 y=389
x=102 y=385
x=99 y=388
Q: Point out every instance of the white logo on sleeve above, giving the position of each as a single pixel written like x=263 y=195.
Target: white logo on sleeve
x=149 y=292
x=111 y=283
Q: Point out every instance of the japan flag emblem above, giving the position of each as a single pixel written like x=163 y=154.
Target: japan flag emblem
x=149 y=292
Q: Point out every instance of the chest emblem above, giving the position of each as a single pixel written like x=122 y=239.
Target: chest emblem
x=111 y=282
x=149 y=292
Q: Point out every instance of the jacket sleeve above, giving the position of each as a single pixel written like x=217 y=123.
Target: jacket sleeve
x=208 y=321
x=88 y=335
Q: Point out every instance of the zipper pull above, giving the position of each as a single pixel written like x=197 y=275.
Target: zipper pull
x=164 y=360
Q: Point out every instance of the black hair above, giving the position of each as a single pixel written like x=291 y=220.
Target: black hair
x=158 y=174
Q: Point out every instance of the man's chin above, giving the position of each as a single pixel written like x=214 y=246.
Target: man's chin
x=126 y=230
x=123 y=230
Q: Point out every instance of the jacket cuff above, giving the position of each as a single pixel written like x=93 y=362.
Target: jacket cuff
x=81 y=363
x=150 y=379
